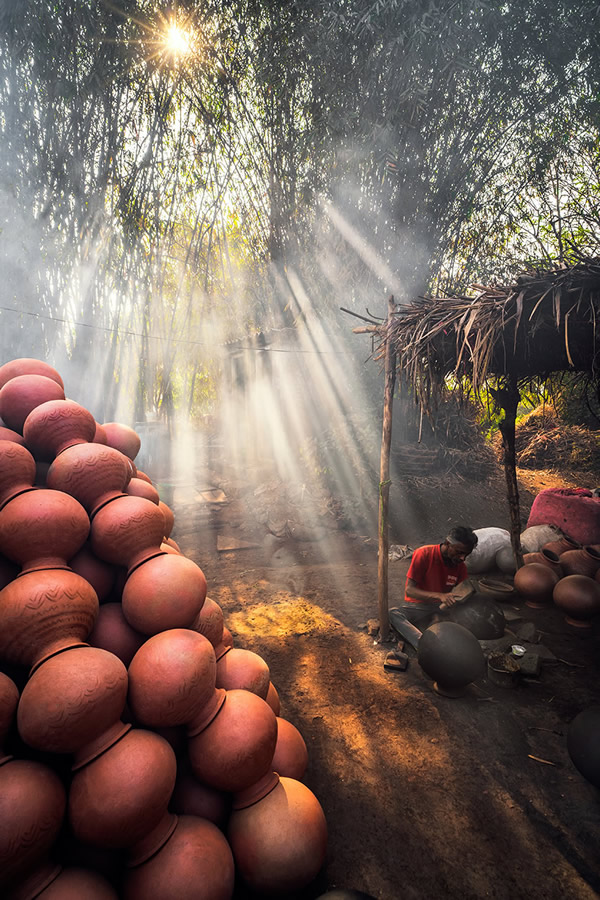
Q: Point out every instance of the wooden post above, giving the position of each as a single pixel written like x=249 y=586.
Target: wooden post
x=508 y=398
x=384 y=478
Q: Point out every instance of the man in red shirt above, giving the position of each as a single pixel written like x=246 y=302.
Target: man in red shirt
x=435 y=570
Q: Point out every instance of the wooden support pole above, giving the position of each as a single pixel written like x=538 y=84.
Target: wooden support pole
x=508 y=398
x=384 y=479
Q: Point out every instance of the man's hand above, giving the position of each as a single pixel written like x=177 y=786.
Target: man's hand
x=448 y=600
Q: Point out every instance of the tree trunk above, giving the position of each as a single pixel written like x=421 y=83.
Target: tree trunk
x=509 y=400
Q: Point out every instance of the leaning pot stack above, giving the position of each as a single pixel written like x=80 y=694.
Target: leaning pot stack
x=133 y=735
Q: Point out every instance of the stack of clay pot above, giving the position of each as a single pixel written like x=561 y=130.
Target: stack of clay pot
x=134 y=729
x=565 y=573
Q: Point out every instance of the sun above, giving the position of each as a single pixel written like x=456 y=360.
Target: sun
x=177 y=40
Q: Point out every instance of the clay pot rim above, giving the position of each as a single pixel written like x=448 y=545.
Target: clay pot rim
x=146 y=559
x=17 y=494
x=53 y=653
x=150 y=845
x=256 y=792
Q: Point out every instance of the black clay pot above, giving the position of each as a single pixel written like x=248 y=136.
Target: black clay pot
x=583 y=744
x=452 y=656
x=481 y=616
x=343 y=894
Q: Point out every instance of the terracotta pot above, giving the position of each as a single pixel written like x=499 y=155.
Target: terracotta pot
x=73 y=703
x=100 y=436
x=209 y=622
x=225 y=644
x=243 y=670
x=273 y=699
x=17 y=471
x=113 y=632
x=291 y=756
x=9 y=699
x=192 y=798
x=169 y=518
x=137 y=487
x=562 y=545
x=535 y=583
x=195 y=862
x=172 y=544
x=499 y=591
x=28 y=366
x=43 y=612
x=42 y=529
x=20 y=395
x=120 y=799
x=166 y=548
x=55 y=425
x=172 y=678
x=451 y=656
x=32 y=808
x=8 y=571
x=583 y=744
x=41 y=473
x=122 y=438
x=545 y=557
x=127 y=531
x=77 y=884
x=235 y=748
x=101 y=575
x=579 y=597
x=165 y=592
x=585 y=561
x=481 y=616
x=91 y=473
x=279 y=843
x=6 y=434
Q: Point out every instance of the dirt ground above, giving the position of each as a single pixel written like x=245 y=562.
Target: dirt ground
x=424 y=796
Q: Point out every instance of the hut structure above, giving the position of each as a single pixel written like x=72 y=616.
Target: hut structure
x=501 y=338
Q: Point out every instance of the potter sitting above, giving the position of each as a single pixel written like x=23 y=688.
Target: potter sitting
x=435 y=570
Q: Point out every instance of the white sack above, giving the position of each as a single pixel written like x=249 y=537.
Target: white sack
x=489 y=541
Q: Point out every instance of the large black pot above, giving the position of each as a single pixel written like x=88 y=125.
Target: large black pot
x=452 y=656
x=583 y=744
x=481 y=616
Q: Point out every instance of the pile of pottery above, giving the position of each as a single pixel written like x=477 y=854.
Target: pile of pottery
x=565 y=573
x=137 y=739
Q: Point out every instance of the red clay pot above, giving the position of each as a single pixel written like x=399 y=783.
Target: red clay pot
x=273 y=699
x=579 y=597
x=100 y=435
x=28 y=366
x=545 y=557
x=562 y=545
x=20 y=395
x=165 y=592
x=17 y=471
x=55 y=425
x=120 y=798
x=6 y=434
x=169 y=518
x=127 y=531
x=91 y=473
x=113 y=632
x=101 y=575
x=209 y=622
x=78 y=884
x=9 y=699
x=32 y=808
x=195 y=862
x=172 y=678
x=279 y=843
x=192 y=798
x=243 y=670
x=225 y=644
x=8 y=571
x=535 y=584
x=42 y=528
x=122 y=438
x=73 y=703
x=291 y=755
x=585 y=561
x=43 y=612
x=235 y=748
x=138 y=487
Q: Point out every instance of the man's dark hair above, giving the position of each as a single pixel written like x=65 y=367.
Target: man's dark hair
x=462 y=534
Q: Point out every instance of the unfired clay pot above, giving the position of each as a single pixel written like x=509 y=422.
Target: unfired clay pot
x=579 y=597
x=55 y=425
x=17 y=471
x=73 y=704
x=291 y=756
x=113 y=632
x=583 y=744
x=209 y=622
x=20 y=395
x=451 y=656
x=279 y=842
x=585 y=561
x=28 y=366
x=91 y=473
x=122 y=438
x=172 y=679
x=195 y=862
x=235 y=749
x=243 y=670
x=535 y=583
x=167 y=591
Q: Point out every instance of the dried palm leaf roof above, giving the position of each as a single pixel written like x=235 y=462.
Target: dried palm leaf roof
x=543 y=323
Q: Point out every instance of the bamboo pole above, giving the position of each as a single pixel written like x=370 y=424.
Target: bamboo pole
x=384 y=479
x=508 y=398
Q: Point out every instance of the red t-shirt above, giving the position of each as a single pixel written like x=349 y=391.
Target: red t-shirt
x=430 y=573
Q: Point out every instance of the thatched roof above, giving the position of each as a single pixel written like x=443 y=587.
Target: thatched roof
x=545 y=322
